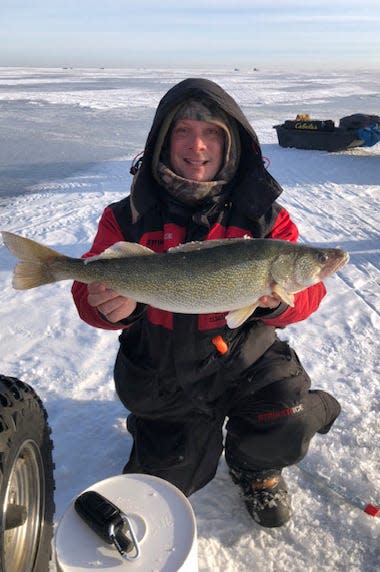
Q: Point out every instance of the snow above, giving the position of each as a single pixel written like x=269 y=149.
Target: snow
x=67 y=141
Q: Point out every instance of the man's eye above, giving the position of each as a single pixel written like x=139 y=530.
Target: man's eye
x=181 y=130
x=214 y=131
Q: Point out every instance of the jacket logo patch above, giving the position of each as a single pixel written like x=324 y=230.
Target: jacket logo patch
x=161 y=240
x=153 y=240
x=274 y=415
x=211 y=321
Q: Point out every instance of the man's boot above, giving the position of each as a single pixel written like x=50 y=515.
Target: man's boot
x=265 y=496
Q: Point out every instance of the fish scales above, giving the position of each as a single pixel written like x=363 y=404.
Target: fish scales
x=195 y=282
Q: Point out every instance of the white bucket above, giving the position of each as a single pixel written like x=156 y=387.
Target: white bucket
x=161 y=517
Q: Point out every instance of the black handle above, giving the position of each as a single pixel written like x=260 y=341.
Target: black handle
x=104 y=518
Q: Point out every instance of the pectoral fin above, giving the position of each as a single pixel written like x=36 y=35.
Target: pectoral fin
x=236 y=318
x=283 y=294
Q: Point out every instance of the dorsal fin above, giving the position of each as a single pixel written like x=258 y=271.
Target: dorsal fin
x=122 y=250
x=202 y=245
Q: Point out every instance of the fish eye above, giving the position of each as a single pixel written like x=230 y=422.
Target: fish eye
x=323 y=257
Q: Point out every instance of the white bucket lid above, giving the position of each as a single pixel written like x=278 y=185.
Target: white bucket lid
x=161 y=517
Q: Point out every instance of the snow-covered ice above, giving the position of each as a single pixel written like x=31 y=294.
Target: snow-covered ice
x=67 y=138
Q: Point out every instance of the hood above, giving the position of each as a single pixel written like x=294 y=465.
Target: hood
x=253 y=188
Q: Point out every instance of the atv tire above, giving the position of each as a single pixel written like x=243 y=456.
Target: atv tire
x=26 y=480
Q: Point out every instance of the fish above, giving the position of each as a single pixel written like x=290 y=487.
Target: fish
x=217 y=276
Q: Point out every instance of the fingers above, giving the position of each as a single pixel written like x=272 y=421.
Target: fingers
x=117 y=309
x=98 y=293
x=271 y=302
x=109 y=303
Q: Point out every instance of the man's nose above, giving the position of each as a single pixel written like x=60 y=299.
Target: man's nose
x=197 y=143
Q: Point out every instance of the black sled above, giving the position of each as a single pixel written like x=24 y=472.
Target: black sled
x=356 y=130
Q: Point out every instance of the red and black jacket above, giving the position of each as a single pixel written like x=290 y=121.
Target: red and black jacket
x=174 y=351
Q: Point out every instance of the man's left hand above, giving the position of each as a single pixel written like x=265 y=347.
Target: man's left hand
x=272 y=301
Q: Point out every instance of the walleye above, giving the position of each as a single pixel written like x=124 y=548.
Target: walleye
x=227 y=275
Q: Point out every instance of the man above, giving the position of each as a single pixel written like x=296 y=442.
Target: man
x=202 y=177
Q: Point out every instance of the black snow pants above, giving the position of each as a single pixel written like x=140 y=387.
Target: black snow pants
x=271 y=417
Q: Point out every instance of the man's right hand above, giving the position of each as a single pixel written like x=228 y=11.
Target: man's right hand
x=109 y=303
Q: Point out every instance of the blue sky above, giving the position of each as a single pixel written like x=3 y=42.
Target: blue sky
x=251 y=33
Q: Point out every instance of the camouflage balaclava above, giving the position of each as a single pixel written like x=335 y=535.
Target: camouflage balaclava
x=188 y=191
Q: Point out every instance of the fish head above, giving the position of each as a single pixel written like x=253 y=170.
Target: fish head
x=332 y=260
x=306 y=266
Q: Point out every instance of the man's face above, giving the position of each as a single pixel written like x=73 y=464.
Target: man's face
x=196 y=149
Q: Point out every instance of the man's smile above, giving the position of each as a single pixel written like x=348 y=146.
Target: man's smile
x=195 y=162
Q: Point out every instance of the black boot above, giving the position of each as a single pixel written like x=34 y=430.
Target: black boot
x=265 y=496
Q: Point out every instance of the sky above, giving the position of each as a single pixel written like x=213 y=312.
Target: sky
x=213 y=33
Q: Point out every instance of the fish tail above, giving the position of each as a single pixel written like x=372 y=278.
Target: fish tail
x=34 y=268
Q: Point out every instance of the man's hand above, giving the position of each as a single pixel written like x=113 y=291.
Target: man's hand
x=109 y=303
x=272 y=301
